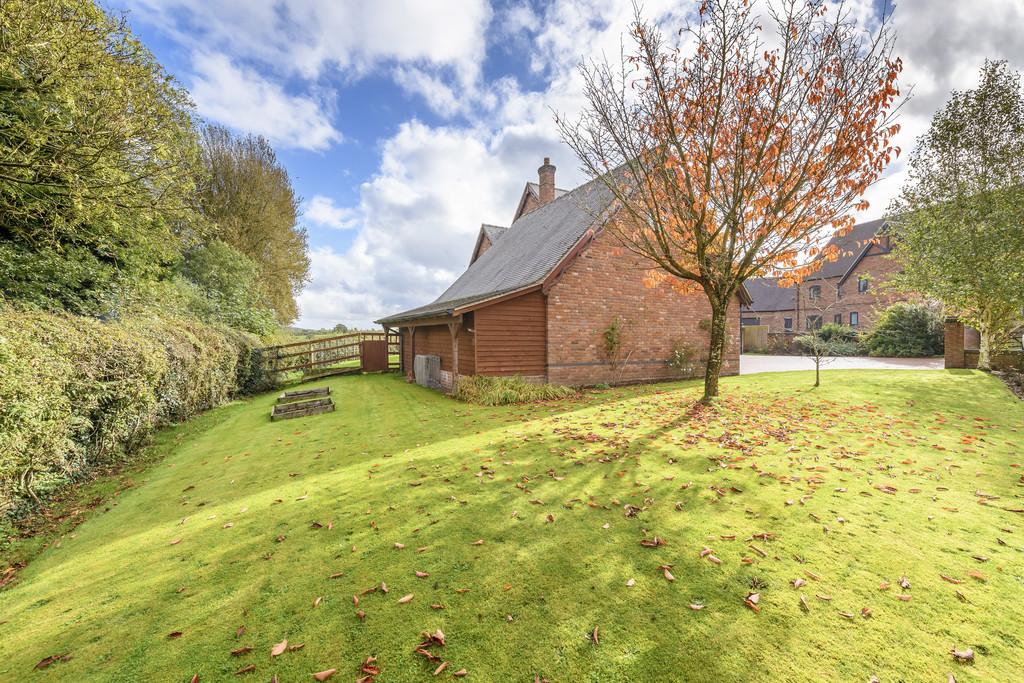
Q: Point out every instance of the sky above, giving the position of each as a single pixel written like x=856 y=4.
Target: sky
x=405 y=124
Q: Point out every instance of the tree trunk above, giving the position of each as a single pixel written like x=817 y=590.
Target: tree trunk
x=985 y=350
x=817 y=371
x=716 y=349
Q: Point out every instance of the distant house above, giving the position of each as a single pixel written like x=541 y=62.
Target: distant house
x=538 y=296
x=850 y=290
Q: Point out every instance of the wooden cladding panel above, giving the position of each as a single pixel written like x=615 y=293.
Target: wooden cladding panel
x=435 y=340
x=407 y=350
x=467 y=351
x=511 y=337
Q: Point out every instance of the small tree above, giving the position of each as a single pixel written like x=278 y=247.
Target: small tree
x=821 y=350
x=823 y=343
x=957 y=224
x=739 y=159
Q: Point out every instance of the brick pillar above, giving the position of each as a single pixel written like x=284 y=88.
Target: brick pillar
x=954 y=343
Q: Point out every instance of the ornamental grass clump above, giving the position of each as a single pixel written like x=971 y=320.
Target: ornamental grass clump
x=500 y=391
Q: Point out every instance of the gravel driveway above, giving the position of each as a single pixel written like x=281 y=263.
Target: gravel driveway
x=754 y=363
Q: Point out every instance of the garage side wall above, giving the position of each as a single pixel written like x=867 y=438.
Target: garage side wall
x=511 y=337
x=606 y=283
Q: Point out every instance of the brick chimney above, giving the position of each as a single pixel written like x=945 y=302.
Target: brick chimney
x=546 y=173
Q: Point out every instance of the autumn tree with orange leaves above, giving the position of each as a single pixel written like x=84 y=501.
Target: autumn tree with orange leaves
x=732 y=157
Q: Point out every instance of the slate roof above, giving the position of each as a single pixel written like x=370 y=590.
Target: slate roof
x=493 y=232
x=524 y=255
x=535 y=190
x=769 y=296
x=852 y=246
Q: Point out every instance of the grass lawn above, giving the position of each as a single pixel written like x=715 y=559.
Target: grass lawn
x=873 y=477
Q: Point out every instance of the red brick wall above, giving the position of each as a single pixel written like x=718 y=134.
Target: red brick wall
x=605 y=282
x=485 y=244
x=775 y=320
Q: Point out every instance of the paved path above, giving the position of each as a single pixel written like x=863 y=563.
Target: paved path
x=754 y=363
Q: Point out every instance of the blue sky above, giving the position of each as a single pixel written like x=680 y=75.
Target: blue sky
x=405 y=124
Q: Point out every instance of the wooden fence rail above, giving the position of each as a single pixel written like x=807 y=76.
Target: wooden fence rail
x=340 y=352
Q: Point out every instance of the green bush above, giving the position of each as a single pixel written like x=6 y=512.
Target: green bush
x=837 y=332
x=906 y=331
x=500 y=391
x=76 y=392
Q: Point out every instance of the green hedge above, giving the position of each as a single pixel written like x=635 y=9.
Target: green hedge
x=76 y=392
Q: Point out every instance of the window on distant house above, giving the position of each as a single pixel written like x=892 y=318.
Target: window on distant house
x=862 y=285
x=838 y=318
x=814 y=322
x=787 y=323
x=854 y=319
x=815 y=292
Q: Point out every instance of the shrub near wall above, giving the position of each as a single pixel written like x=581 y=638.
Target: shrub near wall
x=76 y=392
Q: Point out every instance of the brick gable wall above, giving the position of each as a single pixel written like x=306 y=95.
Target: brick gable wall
x=877 y=268
x=606 y=282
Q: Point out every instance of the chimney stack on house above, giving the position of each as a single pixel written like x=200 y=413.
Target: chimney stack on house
x=546 y=173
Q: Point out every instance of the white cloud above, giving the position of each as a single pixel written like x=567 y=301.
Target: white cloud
x=241 y=98
x=322 y=211
x=418 y=214
x=305 y=37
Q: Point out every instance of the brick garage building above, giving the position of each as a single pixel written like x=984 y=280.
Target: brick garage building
x=852 y=290
x=537 y=297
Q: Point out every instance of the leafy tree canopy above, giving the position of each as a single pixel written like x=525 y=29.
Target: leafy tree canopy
x=958 y=224
x=96 y=153
x=247 y=196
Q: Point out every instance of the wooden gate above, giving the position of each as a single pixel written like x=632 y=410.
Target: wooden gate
x=341 y=354
x=373 y=355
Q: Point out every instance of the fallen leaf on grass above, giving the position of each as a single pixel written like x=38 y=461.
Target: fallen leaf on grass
x=47 y=661
x=405 y=598
x=174 y=634
x=238 y=652
x=594 y=636
x=478 y=541
x=279 y=649
x=665 y=570
x=696 y=606
x=460 y=673
x=630 y=583
x=317 y=601
x=963 y=656
x=325 y=674
x=175 y=541
x=246 y=669
x=950 y=579
x=441 y=667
